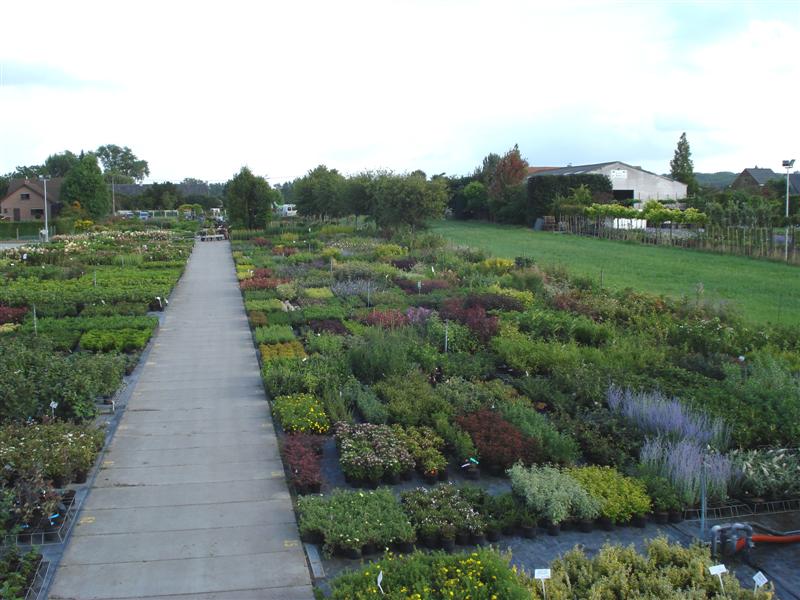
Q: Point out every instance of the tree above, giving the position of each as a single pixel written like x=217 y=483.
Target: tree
x=407 y=200
x=122 y=164
x=249 y=200
x=506 y=201
x=477 y=199
x=85 y=185
x=681 y=167
x=161 y=196
x=357 y=194
x=320 y=192
x=486 y=170
x=59 y=165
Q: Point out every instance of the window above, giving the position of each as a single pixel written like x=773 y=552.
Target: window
x=25 y=196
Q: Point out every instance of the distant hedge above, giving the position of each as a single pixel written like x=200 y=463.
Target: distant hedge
x=543 y=189
x=11 y=230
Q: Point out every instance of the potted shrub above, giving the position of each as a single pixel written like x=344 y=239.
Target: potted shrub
x=527 y=523
x=585 y=510
x=557 y=510
x=448 y=537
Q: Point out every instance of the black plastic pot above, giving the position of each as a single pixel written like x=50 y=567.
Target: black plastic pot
x=675 y=516
x=511 y=529
x=605 y=523
x=403 y=547
x=448 y=544
x=585 y=525
x=661 y=517
x=493 y=534
x=472 y=473
x=528 y=531
x=477 y=539
x=462 y=538
x=312 y=537
x=352 y=553
x=442 y=475
x=430 y=541
x=639 y=521
x=368 y=549
x=553 y=529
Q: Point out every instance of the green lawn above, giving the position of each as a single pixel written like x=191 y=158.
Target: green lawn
x=761 y=291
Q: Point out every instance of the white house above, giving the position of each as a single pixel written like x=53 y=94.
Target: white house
x=628 y=182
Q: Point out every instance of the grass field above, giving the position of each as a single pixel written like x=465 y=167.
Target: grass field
x=760 y=291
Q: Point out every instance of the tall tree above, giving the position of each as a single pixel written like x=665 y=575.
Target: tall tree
x=58 y=165
x=85 y=185
x=504 y=193
x=122 y=164
x=407 y=200
x=681 y=166
x=320 y=192
x=485 y=171
x=249 y=200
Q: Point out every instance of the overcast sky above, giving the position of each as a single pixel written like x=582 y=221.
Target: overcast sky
x=199 y=89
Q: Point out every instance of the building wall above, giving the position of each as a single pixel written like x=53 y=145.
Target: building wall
x=14 y=200
x=645 y=186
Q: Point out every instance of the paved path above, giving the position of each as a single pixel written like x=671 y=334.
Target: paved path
x=191 y=501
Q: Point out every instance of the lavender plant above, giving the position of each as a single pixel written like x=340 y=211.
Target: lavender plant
x=681 y=462
x=655 y=413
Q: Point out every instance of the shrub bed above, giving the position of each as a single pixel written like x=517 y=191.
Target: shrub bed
x=302 y=413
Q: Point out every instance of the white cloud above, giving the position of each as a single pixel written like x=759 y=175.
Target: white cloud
x=201 y=88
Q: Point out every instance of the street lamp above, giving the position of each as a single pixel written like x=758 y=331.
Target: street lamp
x=788 y=164
x=46 y=228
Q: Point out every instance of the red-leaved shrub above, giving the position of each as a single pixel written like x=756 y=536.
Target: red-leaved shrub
x=475 y=317
x=389 y=318
x=262 y=273
x=500 y=444
x=302 y=455
x=327 y=326
x=10 y=314
x=261 y=283
x=260 y=241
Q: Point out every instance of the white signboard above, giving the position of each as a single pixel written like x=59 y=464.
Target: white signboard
x=717 y=569
x=541 y=574
x=618 y=174
x=760 y=579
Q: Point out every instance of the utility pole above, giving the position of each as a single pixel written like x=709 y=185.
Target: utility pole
x=46 y=226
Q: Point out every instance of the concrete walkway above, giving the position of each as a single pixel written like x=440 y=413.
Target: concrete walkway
x=191 y=501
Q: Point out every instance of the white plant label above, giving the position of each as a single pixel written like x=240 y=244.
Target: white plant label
x=380 y=580
x=717 y=569
x=541 y=574
x=54 y=405
x=760 y=579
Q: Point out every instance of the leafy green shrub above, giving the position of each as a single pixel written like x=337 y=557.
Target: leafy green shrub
x=378 y=354
x=409 y=398
x=666 y=571
x=267 y=305
x=300 y=412
x=425 y=447
x=59 y=450
x=270 y=352
x=619 y=497
x=441 y=511
x=481 y=575
x=274 y=334
x=366 y=401
x=349 y=520
x=115 y=340
x=283 y=376
x=318 y=293
x=554 y=446
x=551 y=494
x=367 y=452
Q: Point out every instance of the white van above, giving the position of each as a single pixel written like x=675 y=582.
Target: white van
x=286 y=210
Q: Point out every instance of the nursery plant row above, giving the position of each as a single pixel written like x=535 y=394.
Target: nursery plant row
x=432 y=362
x=75 y=315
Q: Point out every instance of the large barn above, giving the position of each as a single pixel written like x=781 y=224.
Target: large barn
x=628 y=182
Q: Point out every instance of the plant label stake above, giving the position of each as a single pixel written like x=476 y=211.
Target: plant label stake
x=419 y=287
x=541 y=575
x=35 y=322
x=380 y=580
x=53 y=407
x=718 y=570
x=760 y=580
x=446 y=323
x=94 y=279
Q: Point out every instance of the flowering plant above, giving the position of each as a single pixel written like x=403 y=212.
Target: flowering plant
x=367 y=451
x=301 y=412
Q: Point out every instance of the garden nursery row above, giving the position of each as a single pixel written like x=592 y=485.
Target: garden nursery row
x=75 y=315
x=488 y=396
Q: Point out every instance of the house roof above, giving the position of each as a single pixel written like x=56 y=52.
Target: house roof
x=762 y=176
x=585 y=169
x=533 y=170
x=35 y=185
